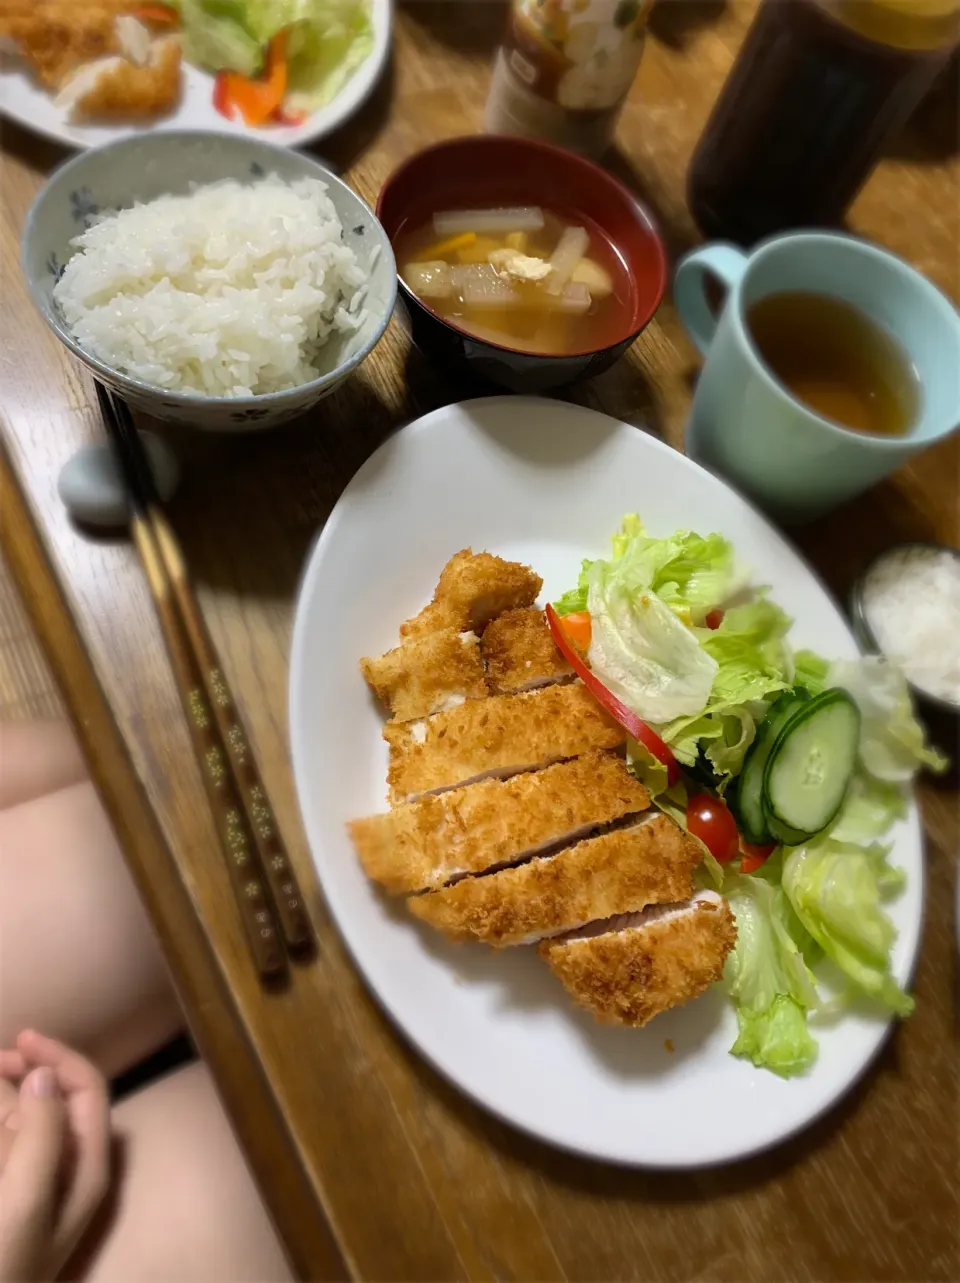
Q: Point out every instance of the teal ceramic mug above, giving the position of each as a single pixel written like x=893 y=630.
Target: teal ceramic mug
x=747 y=426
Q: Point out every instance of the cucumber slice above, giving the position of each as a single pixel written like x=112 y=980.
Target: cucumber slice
x=748 y=803
x=810 y=765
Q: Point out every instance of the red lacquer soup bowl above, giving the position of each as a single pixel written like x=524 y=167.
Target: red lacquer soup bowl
x=488 y=170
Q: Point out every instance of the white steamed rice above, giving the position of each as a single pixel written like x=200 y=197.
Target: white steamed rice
x=229 y=291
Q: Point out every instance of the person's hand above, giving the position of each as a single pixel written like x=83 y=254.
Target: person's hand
x=54 y=1155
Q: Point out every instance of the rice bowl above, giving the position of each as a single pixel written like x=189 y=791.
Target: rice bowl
x=242 y=343
x=228 y=291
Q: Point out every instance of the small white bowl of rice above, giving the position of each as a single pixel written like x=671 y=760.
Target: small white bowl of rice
x=214 y=280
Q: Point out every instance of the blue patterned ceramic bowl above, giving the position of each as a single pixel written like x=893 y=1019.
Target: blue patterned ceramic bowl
x=149 y=165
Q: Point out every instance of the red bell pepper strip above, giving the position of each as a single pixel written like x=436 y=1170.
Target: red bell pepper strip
x=630 y=722
x=254 y=100
x=754 y=856
x=283 y=117
x=157 y=15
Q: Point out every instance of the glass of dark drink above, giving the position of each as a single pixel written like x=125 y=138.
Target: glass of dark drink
x=818 y=87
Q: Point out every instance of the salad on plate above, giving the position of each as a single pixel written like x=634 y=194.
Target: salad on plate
x=790 y=768
x=275 y=60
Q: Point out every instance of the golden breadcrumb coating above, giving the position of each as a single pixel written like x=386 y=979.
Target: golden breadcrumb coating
x=626 y=977
x=499 y=736
x=473 y=589
x=617 y=872
x=422 y=844
x=124 y=90
x=520 y=653
x=428 y=674
x=56 y=39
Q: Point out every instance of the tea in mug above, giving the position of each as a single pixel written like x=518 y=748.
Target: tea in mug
x=836 y=361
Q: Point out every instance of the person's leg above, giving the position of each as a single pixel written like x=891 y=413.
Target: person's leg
x=37 y=758
x=78 y=957
x=184 y=1206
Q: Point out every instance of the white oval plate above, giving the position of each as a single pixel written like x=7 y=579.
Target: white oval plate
x=26 y=102
x=547 y=483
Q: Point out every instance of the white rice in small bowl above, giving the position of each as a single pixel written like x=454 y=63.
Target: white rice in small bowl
x=237 y=301
x=230 y=291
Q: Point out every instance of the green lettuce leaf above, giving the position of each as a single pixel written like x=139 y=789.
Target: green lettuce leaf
x=325 y=52
x=754 y=663
x=768 y=980
x=640 y=650
x=869 y=810
x=215 y=36
x=328 y=40
x=810 y=671
x=892 y=745
x=836 y=889
x=776 y=1038
x=576 y=599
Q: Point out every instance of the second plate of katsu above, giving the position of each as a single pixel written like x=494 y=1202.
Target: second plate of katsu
x=534 y=917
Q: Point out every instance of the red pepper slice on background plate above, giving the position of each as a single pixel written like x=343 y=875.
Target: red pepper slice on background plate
x=255 y=101
x=283 y=117
x=709 y=819
x=630 y=722
x=157 y=15
x=753 y=856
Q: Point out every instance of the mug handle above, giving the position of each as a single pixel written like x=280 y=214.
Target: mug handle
x=727 y=263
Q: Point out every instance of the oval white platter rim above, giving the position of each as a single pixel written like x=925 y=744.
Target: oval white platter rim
x=305 y=659
x=26 y=103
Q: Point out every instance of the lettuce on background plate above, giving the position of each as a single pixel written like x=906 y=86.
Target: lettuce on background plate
x=328 y=40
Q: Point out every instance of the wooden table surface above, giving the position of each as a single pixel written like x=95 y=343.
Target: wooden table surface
x=369 y=1162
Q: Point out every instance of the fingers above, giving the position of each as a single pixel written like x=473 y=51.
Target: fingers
x=29 y=1179
x=12 y=1064
x=74 y=1072
x=88 y=1109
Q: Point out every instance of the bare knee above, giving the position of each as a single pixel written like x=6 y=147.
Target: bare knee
x=184 y=1205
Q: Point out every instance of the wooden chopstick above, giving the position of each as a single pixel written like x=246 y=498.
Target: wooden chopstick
x=245 y=824
x=274 y=860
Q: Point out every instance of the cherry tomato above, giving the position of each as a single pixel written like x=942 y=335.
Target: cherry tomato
x=754 y=856
x=715 y=618
x=709 y=820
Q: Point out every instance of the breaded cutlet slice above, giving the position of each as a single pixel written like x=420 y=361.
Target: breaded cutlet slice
x=473 y=589
x=499 y=736
x=618 y=872
x=119 y=89
x=423 y=844
x=428 y=674
x=520 y=653
x=626 y=971
x=56 y=39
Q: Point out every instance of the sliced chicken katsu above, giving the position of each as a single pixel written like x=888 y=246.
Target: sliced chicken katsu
x=57 y=38
x=499 y=736
x=520 y=654
x=423 y=844
x=121 y=88
x=627 y=970
x=618 y=872
x=428 y=674
x=473 y=589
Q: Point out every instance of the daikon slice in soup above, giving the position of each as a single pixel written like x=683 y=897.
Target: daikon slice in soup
x=533 y=279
